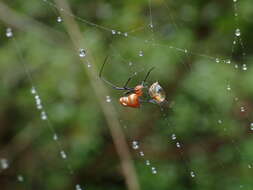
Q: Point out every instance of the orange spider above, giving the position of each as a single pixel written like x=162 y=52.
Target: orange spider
x=133 y=96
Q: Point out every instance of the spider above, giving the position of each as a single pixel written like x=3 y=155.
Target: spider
x=132 y=96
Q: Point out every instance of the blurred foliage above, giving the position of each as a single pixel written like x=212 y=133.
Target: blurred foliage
x=215 y=136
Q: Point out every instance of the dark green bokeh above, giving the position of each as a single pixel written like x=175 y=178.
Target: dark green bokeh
x=215 y=136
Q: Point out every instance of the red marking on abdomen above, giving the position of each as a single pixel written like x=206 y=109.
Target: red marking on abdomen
x=130 y=101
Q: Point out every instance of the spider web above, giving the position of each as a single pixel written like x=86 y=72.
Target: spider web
x=145 y=45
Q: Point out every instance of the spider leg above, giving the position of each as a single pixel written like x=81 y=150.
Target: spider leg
x=147 y=75
x=114 y=86
x=165 y=102
x=128 y=80
x=109 y=83
x=148 y=101
x=129 y=92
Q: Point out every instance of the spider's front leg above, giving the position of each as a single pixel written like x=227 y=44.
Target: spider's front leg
x=147 y=101
x=128 y=92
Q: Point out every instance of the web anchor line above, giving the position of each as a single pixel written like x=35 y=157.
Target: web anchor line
x=41 y=109
x=129 y=35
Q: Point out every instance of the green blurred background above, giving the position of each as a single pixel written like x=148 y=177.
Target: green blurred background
x=214 y=134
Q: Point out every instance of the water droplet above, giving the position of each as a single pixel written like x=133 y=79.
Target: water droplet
x=37 y=97
x=141 y=153
x=78 y=187
x=228 y=87
x=130 y=63
x=147 y=162
x=20 y=178
x=9 y=33
x=186 y=51
x=251 y=126
x=82 y=52
x=135 y=145
x=237 y=32
x=108 y=99
x=154 y=170
x=39 y=106
x=113 y=32
x=236 y=66
x=55 y=137
x=234 y=1
x=33 y=90
x=234 y=42
x=242 y=109
x=178 y=145
x=59 y=19
x=4 y=163
x=244 y=67
x=217 y=60
x=88 y=64
x=38 y=101
x=151 y=25
x=228 y=61
x=141 y=53
x=192 y=174
x=118 y=32
x=173 y=136
x=220 y=121
x=236 y=98
x=43 y=115
x=249 y=166
x=125 y=34
x=63 y=154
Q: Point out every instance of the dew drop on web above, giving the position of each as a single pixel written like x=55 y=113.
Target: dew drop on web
x=78 y=187
x=135 y=145
x=154 y=171
x=4 y=163
x=108 y=99
x=173 y=136
x=63 y=154
x=33 y=90
x=251 y=126
x=82 y=53
x=244 y=67
x=228 y=87
x=192 y=174
x=237 y=32
x=20 y=178
x=178 y=145
x=59 y=19
x=43 y=115
x=9 y=33
x=55 y=137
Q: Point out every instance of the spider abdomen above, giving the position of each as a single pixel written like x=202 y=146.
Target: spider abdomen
x=130 y=101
